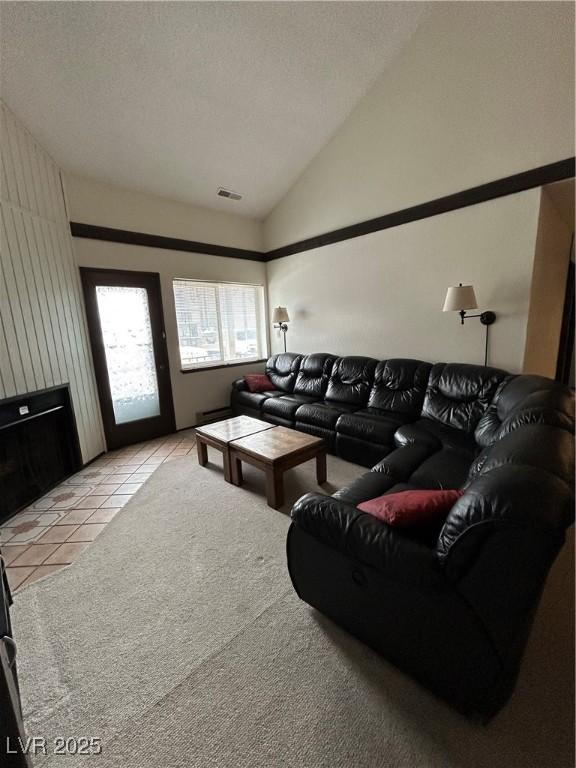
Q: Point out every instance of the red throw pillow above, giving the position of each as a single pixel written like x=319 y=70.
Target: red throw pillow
x=407 y=508
x=258 y=382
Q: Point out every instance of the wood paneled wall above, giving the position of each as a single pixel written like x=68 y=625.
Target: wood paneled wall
x=43 y=334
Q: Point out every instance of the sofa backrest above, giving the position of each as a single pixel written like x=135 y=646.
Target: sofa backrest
x=521 y=400
x=399 y=385
x=499 y=542
x=525 y=480
x=534 y=445
x=459 y=394
x=313 y=375
x=351 y=380
x=282 y=370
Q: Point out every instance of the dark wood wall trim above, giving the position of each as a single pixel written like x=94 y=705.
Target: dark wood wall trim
x=537 y=177
x=111 y=235
x=520 y=182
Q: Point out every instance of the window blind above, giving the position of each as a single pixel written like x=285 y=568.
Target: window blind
x=219 y=323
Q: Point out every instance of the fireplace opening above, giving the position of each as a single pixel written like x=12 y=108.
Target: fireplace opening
x=38 y=446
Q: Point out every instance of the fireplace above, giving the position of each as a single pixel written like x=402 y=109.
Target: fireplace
x=38 y=446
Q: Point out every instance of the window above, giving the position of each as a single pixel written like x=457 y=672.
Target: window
x=219 y=323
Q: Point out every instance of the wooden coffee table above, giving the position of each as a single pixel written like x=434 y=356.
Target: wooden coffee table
x=274 y=451
x=220 y=434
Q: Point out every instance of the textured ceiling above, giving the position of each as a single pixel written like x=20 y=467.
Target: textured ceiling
x=176 y=99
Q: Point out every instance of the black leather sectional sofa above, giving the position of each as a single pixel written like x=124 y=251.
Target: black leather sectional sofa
x=355 y=403
x=451 y=604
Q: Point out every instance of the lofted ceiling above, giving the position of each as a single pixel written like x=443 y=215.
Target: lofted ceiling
x=179 y=98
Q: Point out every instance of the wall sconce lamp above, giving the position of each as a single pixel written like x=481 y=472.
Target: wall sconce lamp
x=459 y=298
x=281 y=319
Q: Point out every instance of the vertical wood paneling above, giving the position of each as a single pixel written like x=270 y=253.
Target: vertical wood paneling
x=43 y=333
x=11 y=364
x=21 y=338
x=59 y=363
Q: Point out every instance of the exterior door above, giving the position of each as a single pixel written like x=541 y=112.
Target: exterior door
x=126 y=326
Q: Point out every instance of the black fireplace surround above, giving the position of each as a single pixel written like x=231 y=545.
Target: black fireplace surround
x=38 y=446
x=451 y=605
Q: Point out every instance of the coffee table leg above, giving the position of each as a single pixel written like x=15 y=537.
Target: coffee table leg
x=227 y=465
x=202 y=450
x=274 y=488
x=321 y=468
x=235 y=470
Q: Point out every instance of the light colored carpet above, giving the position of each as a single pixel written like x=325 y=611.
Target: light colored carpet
x=177 y=638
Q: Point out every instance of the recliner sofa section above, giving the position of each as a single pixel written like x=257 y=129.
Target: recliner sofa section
x=282 y=370
x=309 y=387
x=396 y=398
x=355 y=403
x=450 y=603
x=348 y=390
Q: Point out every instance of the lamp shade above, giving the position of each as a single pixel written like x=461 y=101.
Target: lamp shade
x=460 y=297
x=280 y=315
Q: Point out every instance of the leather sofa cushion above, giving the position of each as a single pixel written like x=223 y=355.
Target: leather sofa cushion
x=371 y=425
x=358 y=451
x=522 y=400
x=510 y=394
x=374 y=484
x=254 y=399
x=401 y=463
x=458 y=395
x=367 y=486
x=322 y=414
x=549 y=448
x=313 y=429
x=554 y=416
x=446 y=469
x=351 y=380
x=426 y=465
x=285 y=407
x=399 y=386
x=507 y=496
x=436 y=436
x=362 y=537
x=313 y=375
x=282 y=370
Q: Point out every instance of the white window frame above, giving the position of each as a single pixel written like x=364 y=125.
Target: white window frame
x=261 y=327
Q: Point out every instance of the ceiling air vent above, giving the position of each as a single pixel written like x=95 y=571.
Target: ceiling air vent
x=223 y=192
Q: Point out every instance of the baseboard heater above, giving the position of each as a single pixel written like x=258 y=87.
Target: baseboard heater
x=216 y=414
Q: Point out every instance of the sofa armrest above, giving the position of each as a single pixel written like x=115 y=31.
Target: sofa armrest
x=413 y=434
x=369 y=540
x=370 y=485
x=402 y=462
x=239 y=385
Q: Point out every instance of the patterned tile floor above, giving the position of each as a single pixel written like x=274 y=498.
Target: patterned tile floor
x=52 y=532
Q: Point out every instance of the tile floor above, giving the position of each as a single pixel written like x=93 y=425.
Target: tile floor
x=52 y=532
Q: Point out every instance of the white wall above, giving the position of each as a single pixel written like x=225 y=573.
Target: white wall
x=482 y=91
x=92 y=202
x=43 y=336
x=381 y=294
x=107 y=206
